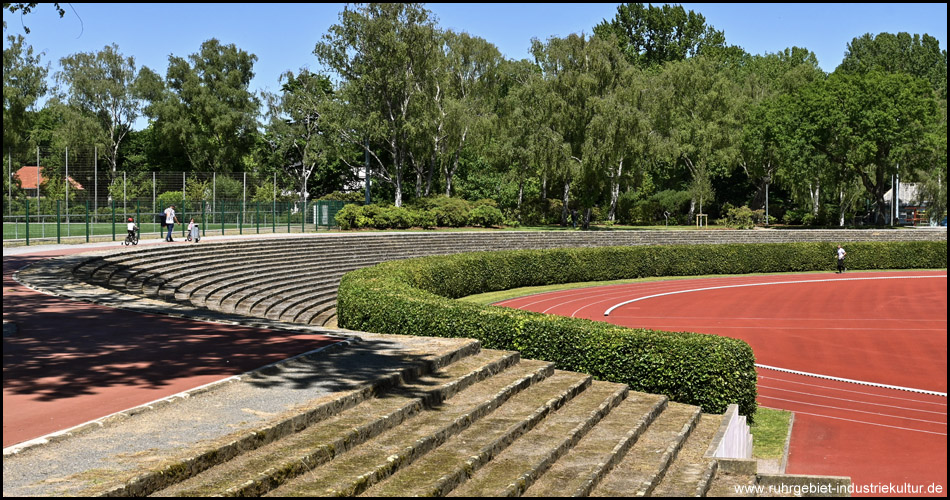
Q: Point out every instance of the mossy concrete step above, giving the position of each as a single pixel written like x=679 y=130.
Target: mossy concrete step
x=502 y=418
x=440 y=471
x=691 y=471
x=583 y=467
x=728 y=484
x=265 y=468
x=510 y=472
x=645 y=464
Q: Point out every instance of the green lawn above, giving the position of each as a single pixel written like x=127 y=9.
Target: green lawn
x=769 y=433
x=47 y=231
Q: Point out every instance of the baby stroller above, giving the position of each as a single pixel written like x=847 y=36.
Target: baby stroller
x=193 y=234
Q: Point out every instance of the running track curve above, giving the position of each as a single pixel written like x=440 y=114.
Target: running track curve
x=884 y=328
x=72 y=362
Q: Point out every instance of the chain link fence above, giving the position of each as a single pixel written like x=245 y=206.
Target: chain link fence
x=51 y=195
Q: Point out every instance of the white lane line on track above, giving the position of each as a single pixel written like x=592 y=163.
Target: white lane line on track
x=854 y=392
x=852 y=381
x=887 y=415
x=610 y=309
x=869 y=423
x=852 y=400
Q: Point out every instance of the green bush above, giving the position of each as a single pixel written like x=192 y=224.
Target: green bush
x=739 y=217
x=414 y=297
x=346 y=217
x=452 y=213
x=485 y=216
x=424 y=218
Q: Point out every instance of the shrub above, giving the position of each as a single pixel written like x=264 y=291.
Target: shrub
x=346 y=217
x=738 y=217
x=452 y=213
x=424 y=218
x=485 y=216
x=399 y=218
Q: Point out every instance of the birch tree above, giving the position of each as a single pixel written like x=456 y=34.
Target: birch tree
x=104 y=85
x=384 y=55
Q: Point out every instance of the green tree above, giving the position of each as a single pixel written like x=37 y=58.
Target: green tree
x=869 y=126
x=651 y=36
x=919 y=56
x=915 y=55
x=297 y=131
x=695 y=114
x=577 y=70
x=25 y=9
x=207 y=106
x=619 y=138
x=467 y=110
x=385 y=55
x=764 y=80
x=103 y=85
x=24 y=83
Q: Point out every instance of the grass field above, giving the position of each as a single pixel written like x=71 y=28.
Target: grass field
x=47 y=231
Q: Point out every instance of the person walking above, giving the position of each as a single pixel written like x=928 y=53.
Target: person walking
x=841 y=253
x=170 y=220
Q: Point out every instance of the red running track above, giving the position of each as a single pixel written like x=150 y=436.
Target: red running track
x=72 y=362
x=880 y=327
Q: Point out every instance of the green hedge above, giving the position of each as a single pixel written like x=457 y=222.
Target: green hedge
x=415 y=297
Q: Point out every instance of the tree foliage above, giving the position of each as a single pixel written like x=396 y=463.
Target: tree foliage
x=207 y=107
x=649 y=118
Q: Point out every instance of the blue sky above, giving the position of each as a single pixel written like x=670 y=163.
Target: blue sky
x=283 y=35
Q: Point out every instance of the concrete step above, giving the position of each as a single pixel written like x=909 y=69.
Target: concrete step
x=643 y=467
x=732 y=485
x=510 y=472
x=585 y=465
x=265 y=468
x=381 y=457
x=691 y=472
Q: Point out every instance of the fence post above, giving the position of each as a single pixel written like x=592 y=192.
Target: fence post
x=273 y=218
x=28 y=219
x=240 y=219
x=303 y=218
x=204 y=225
x=184 y=209
x=221 y=205
x=257 y=219
x=288 y=217
x=57 y=222
x=113 y=219
x=138 y=214
x=87 y=223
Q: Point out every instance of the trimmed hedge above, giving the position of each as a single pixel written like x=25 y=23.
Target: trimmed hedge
x=415 y=297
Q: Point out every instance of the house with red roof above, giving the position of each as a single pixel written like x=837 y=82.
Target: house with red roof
x=28 y=178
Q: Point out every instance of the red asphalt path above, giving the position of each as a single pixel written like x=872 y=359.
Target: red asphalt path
x=72 y=362
x=880 y=327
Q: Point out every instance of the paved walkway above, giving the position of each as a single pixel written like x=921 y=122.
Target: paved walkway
x=67 y=362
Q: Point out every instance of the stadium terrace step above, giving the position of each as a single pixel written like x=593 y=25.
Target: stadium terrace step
x=261 y=470
x=514 y=469
x=468 y=415
x=648 y=460
x=598 y=452
x=732 y=485
x=691 y=472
